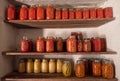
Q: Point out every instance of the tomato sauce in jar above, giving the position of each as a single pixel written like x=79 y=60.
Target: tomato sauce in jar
x=23 y=12
x=85 y=13
x=58 y=14
x=50 y=44
x=80 y=46
x=65 y=13
x=32 y=13
x=40 y=12
x=59 y=44
x=24 y=44
x=40 y=44
x=92 y=13
x=103 y=44
x=71 y=44
x=78 y=14
x=87 y=45
x=11 y=12
x=108 y=12
x=100 y=13
x=71 y=14
x=49 y=12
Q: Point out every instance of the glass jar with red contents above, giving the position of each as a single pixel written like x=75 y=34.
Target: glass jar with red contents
x=59 y=44
x=58 y=14
x=103 y=44
x=71 y=14
x=80 y=46
x=40 y=44
x=65 y=13
x=78 y=13
x=50 y=44
x=71 y=44
x=100 y=13
x=30 y=45
x=87 y=45
x=108 y=12
x=85 y=13
x=49 y=12
x=25 y=44
x=23 y=12
x=32 y=13
x=11 y=12
x=92 y=13
x=40 y=12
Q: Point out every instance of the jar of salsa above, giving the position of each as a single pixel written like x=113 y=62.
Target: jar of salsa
x=58 y=14
x=23 y=12
x=71 y=44
x=50 y=44
x=80 y=69
x=59 y=44
x=100 y=13
x=92 y=13
x=96 y=68
x=40 y=44
x=24 y=44
x=78 y=14
x=11 y=12
x=108 y=12
x=49 y=12
x=80 y=46
x=87 y=45
x=40 y=12
x=65 y=13
x=107 y=69
x=32 y=13
x=71 y=14
x=85 y=13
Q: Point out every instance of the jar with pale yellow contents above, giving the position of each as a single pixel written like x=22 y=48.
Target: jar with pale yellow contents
x=59 y=66
x=21 y=67
x=44 y=66
x=52 y=66
x=30 y=66
x=37 y=66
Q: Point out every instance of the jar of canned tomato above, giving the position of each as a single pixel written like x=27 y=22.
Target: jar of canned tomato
x=40 y=12
x=40 y=44
x=23 y=12
x=103 y=44
x=78 y=14
x=25 y=44
x=100 y=13
x=96 y=68
x=80 y=46
x=108 y=12
x=32 y=13
x=50 y=44
x=59 y=44
x=49 y=12
x=71 y=14
x=58 y=14
x=11 y=12
x=92 y=13
x=87 y=45
x=80 y=69
x=65 y=13
x=71 y=44
x=107 y=69
x=85 y=13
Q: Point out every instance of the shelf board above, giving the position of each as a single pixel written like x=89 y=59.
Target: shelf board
x=68 y=23
x=56 y=53
x=49 y=77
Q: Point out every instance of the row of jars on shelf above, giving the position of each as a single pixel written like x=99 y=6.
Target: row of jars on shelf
x=40 y=13
x=71 y=44
x=83 y=67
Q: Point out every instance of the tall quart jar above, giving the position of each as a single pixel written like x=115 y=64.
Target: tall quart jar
x=22 y=66
x=30 y=66
x=80 y=69
x=44 y=66
x=52 y=66
x=59 y=66
x=40 y=13
x=32 y=13
x=87 y=45
x=107 y=69
x=37 y=66
x=50 y=44
x=49 y=12
x=23 y=12
x=59 y=44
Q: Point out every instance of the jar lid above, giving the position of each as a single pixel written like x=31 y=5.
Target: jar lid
x=50 y=37
x=58 y=8
x=21 y=60
x=72 y=36
x=97 y=61
x=79 y=61
x=52 y=60
x=44 y=60
x=59 y=38
x=40 y=37
x=71 y=9
x=24 y=6
x=30 y=60
x=64 y=9
x=37 y=59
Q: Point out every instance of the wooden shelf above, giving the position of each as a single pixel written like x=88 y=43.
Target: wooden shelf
x=49 y=77
x=57 y=53
x=69 y=23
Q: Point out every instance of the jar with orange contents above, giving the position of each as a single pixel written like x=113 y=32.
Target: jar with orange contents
x=107 y=69
x=96 y=68
x=58 y=13
x=23 y=12
x=32 y=13
x=49 y=12
x=100 y=13
x=65 y=13
x=59 y=44
x=78 y=14
x=85 y=13
x=50 y=44
x=40 y=12
x=80 y=69
x=87 y=45
x=71 y=14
